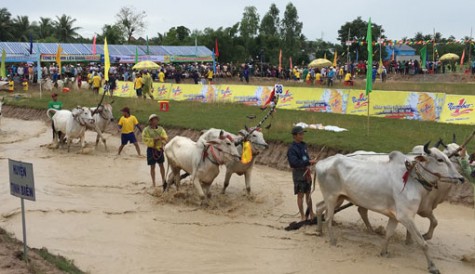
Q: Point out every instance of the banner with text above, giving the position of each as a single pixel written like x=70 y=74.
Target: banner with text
x=421 y=106
x=458 y=109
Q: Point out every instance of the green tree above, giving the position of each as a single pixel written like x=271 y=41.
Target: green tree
x=291 y=32
x=177 y=36
x=357 y=31
x=6 y=30
x=248 y=29
x=130 y=22
x=64 y=28
x=22 y=28
x=269 y=35
x=45 y=28
x=113 y=33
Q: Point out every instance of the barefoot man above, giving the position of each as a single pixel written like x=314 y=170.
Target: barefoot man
x=127 y=125
x=300 y=162
x=155 y=137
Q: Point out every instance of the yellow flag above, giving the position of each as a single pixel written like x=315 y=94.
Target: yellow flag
x=107 y=62
x=334 y=58
x=246 y=152
x=58 y=57
x=380 y=68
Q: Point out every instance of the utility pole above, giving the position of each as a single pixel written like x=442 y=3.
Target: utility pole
x=348 y=47
x=470 y=48
x=433 y=51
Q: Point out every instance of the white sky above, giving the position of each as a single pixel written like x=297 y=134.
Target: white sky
x=320 y=18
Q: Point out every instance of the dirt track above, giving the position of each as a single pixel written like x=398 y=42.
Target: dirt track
x=98 y=209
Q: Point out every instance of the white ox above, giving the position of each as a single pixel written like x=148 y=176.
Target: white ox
x=102 y=118
x=70 y=124
x=379 y=187
x=202 y=162
x=429 y=202
x=258 y=144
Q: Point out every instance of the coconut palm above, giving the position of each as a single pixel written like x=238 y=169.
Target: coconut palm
x=6 y=32
x=64 y=29
x=22 y=28
x=45 y=28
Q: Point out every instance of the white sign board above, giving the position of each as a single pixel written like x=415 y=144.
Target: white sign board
x=22 y=183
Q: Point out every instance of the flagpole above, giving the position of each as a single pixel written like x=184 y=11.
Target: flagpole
x=367 y=114
x=433 y=50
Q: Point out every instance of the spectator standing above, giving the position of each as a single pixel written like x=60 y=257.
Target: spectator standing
x=127 y=124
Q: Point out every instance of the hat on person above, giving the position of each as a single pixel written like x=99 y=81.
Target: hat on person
x=297 y=129
x=126 y=109
x=54 y=94
x=153 y=116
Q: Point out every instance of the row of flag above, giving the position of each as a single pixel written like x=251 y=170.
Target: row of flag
x=385 y=42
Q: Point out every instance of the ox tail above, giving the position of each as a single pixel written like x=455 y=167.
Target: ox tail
x=50 y=112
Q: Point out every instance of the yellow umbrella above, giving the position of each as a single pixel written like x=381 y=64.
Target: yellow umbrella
x=320 y=63
x=146 y=65
x=449 y=57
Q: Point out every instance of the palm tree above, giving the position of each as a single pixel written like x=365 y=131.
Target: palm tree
x=22 y=28
x=65 y=32
x=45 y=28
x=6 y=32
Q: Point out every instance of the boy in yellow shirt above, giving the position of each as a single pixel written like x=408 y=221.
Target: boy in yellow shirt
x=155 y=137
x=138 y=85
x=96 y=83
x=127 y=124
x=161 y=76
x=25 y=84
x=11 y=85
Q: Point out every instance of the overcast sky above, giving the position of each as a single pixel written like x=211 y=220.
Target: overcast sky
x=320 y=18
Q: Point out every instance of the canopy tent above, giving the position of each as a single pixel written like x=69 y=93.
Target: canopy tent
x=75 y=52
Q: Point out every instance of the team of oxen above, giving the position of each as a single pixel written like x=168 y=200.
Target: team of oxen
x=396 y=185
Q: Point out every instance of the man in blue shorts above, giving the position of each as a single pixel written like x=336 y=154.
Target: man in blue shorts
x=127 y=124
x=300 y=162
x=155 y=137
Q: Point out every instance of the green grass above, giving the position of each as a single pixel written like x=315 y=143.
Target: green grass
x=61 y=263
x=385 y=134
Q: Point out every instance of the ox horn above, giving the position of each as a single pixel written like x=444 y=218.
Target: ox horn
x=426 y=148
x=440 y=143
x=100 y=103
x=454 y=139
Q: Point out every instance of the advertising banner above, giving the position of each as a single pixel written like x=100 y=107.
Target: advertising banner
x=70 y=58
x=406 y=105
x=316 y=100
x=458 y=109
x=189 y=92
x=357 y=103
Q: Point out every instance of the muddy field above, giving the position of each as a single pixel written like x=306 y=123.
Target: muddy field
x=99 y=209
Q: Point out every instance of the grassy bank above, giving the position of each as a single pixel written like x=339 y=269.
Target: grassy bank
x=385 y=134
x=39 y=260
x=451 y=84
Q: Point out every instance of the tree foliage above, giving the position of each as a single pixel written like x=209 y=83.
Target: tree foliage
x=65 y=29
x=130 y=21
x=356 y=30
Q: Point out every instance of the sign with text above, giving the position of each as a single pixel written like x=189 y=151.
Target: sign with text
x=22 y=183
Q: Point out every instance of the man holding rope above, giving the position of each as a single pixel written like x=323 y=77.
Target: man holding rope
x=155 y=137
x=300 y=162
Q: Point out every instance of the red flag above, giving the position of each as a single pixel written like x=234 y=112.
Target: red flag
x=280 y=60
x=463 y=57
x=216 y=52
x=94 y=45
x=290 y=61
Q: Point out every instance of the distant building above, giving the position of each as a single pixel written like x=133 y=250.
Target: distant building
x=402 y=52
